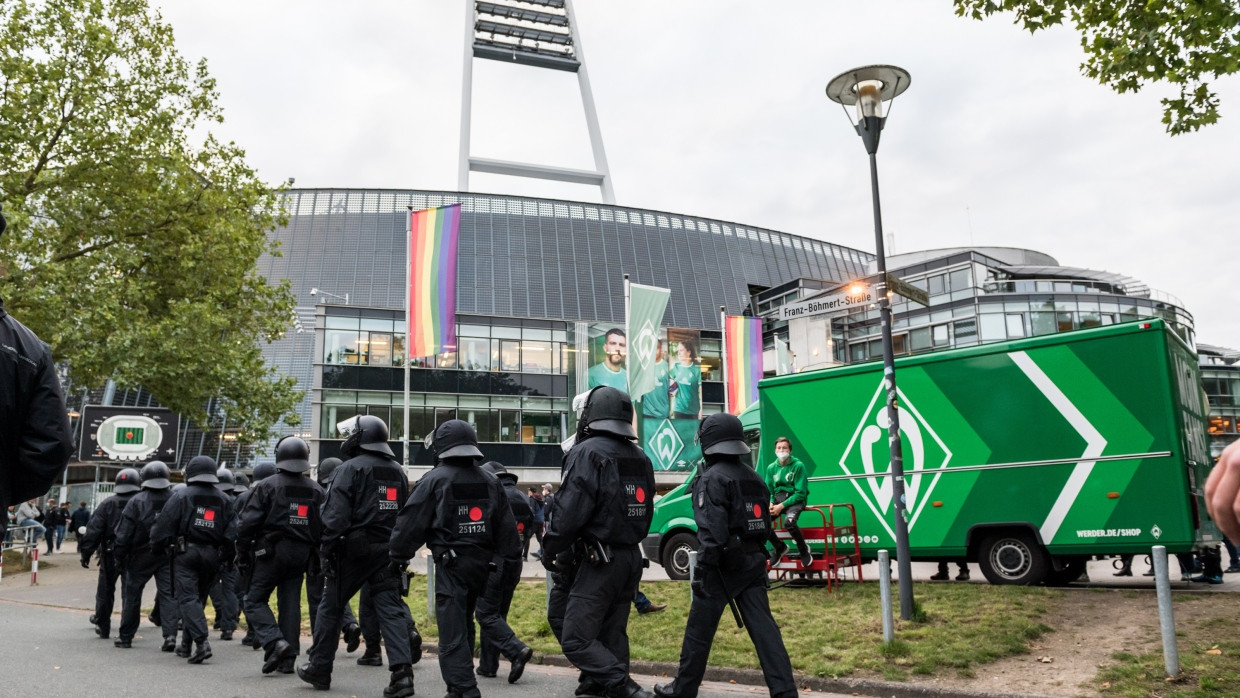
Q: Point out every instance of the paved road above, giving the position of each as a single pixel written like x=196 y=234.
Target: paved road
x=52 y=651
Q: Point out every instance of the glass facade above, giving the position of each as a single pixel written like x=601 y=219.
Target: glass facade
x=531 y=274
x=1220 y=379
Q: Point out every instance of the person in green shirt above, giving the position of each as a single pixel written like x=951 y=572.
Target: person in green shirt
x=655 y=404
x=788 y=481
x=686 y=382
x=611 y=370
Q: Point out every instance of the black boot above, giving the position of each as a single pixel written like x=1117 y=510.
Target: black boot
x=286 y=665
x=277 y=652
x=226 y=635
x=170 y=644
x=401 y=685
x=103 y=631
x=202 y=652
x=321 y=680
x=183 y=649
x=371 y=657
x=248 y=639
x=518 y=664
x=668 y=691
x=123 y=644
x=415 y=646
x=352 y=637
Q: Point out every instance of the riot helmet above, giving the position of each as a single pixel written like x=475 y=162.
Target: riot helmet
x=499 y=471
x=722 y=435
x=608 y=411
x=292 y=455
x=325 y=470
x=128 y=481
x=455 y=439
x=264 y=470
x=242 y=482
x=155 y=476
x=201 y=469
x=364 y=433
x=224 y=479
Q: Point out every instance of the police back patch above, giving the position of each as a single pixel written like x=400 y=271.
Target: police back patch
x=632 y=472
x=388 y=497
x=471 y=504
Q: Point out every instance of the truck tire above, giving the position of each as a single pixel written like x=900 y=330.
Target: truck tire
x=676 y=555
x=1073 y=567
x=1013 y=558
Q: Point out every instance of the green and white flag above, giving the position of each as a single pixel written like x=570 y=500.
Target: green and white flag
x=783 y=358
x=645 y=314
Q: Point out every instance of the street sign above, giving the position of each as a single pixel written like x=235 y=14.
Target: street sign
x=828 y=304
x=128 y=434
x=909 y=291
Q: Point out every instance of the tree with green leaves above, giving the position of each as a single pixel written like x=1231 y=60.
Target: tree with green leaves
x=1130 y=44
x=134 y=233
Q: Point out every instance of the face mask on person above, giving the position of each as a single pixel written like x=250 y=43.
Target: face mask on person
x=783 y=455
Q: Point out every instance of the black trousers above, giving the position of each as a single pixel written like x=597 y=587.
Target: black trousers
x=534 y=531
x=492 y=613
x=368 y=619
x=314 y=596
x=282 y=571
x=747 y=585
x=105 y=590
x=457 y=588
x=595 y=637
x=370 y=567
x=224 y=598
x=194 y=572
x=142 y=567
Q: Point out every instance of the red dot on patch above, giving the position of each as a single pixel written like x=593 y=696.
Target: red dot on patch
x=391 y=494
x=209 y=515
x=475 y=514
x=757 y=511
x=641 y=495
x=520 y=527
x=302 y=509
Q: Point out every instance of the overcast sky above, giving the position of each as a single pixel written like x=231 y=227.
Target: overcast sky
x=716 y=108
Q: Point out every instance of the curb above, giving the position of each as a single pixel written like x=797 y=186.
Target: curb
x=753 y=677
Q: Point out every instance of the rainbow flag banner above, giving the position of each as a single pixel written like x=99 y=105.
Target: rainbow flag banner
x=433 y=237
x=742 y=338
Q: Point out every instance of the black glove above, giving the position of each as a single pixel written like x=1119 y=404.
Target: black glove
x=548 y=563
x=397 y=567
x=699 y=578
x=86 y=562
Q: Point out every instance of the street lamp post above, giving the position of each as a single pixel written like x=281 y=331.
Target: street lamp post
x=868 y=88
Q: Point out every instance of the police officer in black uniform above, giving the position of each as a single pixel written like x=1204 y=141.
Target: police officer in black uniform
x=730 y=506
x=351 y=631
x=460 y=512
x=282 y=520
x=358 y=515
x=199 y=527
x=99 y=538
x=141 y=563
x=245 y=563
x=223 y=593
x=603 y=511
x=492 y=612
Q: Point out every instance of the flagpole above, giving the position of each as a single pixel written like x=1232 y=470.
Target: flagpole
x=408 y=327
x=723 y=325
x=628 y=373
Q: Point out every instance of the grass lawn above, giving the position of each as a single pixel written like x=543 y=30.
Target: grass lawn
x=1209 y=654
x=838 y=634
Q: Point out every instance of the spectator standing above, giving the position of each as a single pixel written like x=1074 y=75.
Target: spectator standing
x=28 y=514
x=54 y=521
x=79 y=518
x=536 y=529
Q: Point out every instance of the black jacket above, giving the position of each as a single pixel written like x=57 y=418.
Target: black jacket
x=286 y=505
x=35 y=441
x=522 y=513
x=460 y=506
x=199 y=512
x=101 y=529
x=607 y=495
x=363 y=500
x=133 y=533
x=731 y=508
x=79 y=518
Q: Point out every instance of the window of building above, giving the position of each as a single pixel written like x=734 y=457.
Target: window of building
x=536 y=357
x=509 y=356
x=1043 y=323
x=960 y=279
x=510 y=425
x=1065 y=322
x=1220 y=424
x=919 y=339
x=343 y=347
x=712 y=359
x=940 y=335
x=992 y=327
x=937 y=284
x=1015 y=325
x=381 y=348
x=475 y=353
x=965 y=330
x=398 y=350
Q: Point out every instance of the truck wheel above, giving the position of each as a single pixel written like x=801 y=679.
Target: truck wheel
x=1072 y=569
x=676 y=555
x=1013 y=558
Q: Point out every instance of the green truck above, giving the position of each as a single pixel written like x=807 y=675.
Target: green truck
x=1026 y=456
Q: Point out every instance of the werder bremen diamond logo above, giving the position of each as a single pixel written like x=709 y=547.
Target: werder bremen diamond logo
x=868 y=453
x=666 y=445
